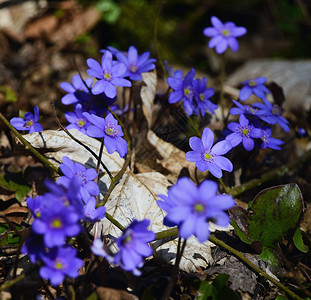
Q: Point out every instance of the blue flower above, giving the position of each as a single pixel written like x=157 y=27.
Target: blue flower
x=78 y=92
x=110 y=130
x=136 y=64
x=170 y=71
x=109 y=74
x=57 y=222
x=91 y=213
x=133 y=246
x=182 y=91
x=73 y=169
x=207 y=157
x=271 y=114
x=243 y=109
x=60 y=262
x=77 y=120
x=254 y=86
x=268 y=141
x=202 y=95
x=243 y=132
x=223 y=35
x=191 y=207
x=29 y=122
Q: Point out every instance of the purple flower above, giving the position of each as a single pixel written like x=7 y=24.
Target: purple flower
x=243 y=132
x=223 y=35
x=133 y=246
x=254 y=86
x=268 y=141
x=29 y=122
x=243 y=109
x=77 y=120
x=202 y=95
x=170 y=71
x=73 y=169
x=91 y=213
x=182 y=91
x=109 y=129
x=58 y=218
x=35 y=204
x=109 y=74
x=77 y=91
x=271 y=114
x=60 y=262
x=207 y=157
x=99 y=249
x=34 y=247
x=135 y=64
x=191 y=207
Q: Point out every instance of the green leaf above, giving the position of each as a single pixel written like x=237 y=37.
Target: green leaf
x=92 y=296
x=275 y=212
x=298 y=241
x=110 y=10
x=216 y=289
x=20 y=189
x=10 y=95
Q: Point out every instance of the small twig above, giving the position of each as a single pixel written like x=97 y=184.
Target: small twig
x=278 y=172
x=28 y=146
x=81 y=144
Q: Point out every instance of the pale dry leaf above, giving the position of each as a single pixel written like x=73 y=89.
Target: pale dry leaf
x=134 y=196
x=147 y=94
x=173 y=159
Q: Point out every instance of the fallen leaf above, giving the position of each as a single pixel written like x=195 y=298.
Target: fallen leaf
x=134 y=196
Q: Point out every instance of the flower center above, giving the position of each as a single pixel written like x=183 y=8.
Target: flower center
x=252 y=82
x=252 y=110
x=29 y=123
x=56 y=223
x=82 y=175
x=107 y=76
x=58 y=265
x=202 y=97
x=188 y=92
x=265 y=139
x=199 y=208
x=244 y=131
x=226 y=32
x=37 y=213
x=111 y=130
x=81 y=123
x=208 y=157
x=276 y=110
x=133 y=68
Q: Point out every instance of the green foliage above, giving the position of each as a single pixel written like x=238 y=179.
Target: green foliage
x=7 y=238
x=15 y=182
x=110 y=10
x=275 y=212
x=10 y=95
x=298 y=241
x=216 y=289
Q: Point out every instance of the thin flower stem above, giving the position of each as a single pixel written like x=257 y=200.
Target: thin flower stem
x=180 y=251
x=222 y=83
x=83 y=145
x=115 y=180
x=278 y=172
x=239 y=255
x=227 y=190
x=100 y=157
x=8 y=284
x=29 y=147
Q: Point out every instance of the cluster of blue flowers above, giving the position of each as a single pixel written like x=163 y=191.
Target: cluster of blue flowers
x=194 y=93
x=57 y=216
x=70 y=202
